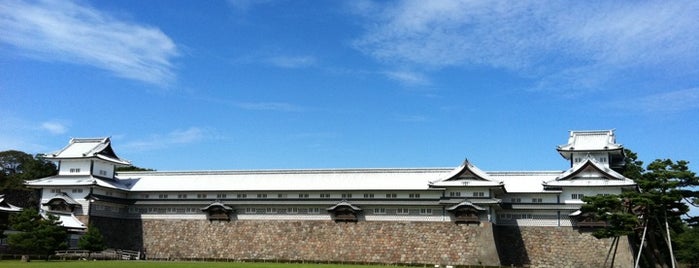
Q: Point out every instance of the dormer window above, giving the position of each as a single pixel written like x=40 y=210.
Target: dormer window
x=345 y=212
x=61 y=202
x=218 y=212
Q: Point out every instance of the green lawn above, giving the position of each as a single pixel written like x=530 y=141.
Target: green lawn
x=163 y=264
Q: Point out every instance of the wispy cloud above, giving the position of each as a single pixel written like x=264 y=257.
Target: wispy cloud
x=412 y=118
x=75 y=33
x=292 y=62
x=175 y=137
x=54 y=127
x=665 y=102
x=555 y=42
x=268 y=106
x=408 y=77
x=245 y=5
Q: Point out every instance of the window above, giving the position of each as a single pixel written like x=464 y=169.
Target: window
x=537 y=200
x=293 y=210
x=103 y=172
x=261 y=195
x=324 y=195
x=478 y=194
x=303 y=195
x=241 y=196
x=578 y=159
x=271 y=210
x=191 y=210
x=577 y=196
x=201 y=196
x=414 y=195
x=603 y=159
x=454 y=194
x=162 y=196
x=145 y=196
x=379 y=211
x=171 y=210
x=250 y=210
x=368 y=195
x=515 y=200
x=110 y=193
x=426 y=211
x=182 y=196
x=347 y=195
x=392 y=195
x=76 y=191
x=281 y=195
x=74 y=170
x=219 y=196
x=313 y=210
x=402 y=211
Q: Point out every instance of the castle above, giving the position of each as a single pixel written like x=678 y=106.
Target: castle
x=462 y=215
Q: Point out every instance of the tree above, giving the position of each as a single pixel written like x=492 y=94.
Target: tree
x=17 y=167
x=92 y=240
x=36 y=235
x=133 y=168
x=656 y=207
x=688 y=246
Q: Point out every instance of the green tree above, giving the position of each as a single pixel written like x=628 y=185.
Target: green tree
x=664 y=187
x=15 y=168
x=92 y=240
x=36 y=235
x=688 y=246
x=133 y=168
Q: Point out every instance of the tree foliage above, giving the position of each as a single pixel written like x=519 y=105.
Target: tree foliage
x=133 y=168
x=665 y=188
x=36 y=235
x=92 y=240
x=16 y=167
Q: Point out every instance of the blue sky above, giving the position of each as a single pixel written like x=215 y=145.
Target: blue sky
x=190 y=85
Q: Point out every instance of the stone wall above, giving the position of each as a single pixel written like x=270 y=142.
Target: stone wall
x=362 y=242
x=557 y=247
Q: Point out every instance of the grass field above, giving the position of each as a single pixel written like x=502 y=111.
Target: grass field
x=163 y=264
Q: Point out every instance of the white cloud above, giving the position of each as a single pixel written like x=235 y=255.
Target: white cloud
x=292 y=62
x=408 y=77
x=665 y=102
x=175 y=137
x=70 y=32
x=268 y=106
x=245 y=5
x=54 y=127
x=412 y=118
x=556 y=42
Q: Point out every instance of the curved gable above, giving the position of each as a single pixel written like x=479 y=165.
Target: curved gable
x=466 y=174
x=590 y=173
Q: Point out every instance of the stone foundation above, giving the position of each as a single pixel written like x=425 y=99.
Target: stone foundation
x=362 y=242
x=557 y=247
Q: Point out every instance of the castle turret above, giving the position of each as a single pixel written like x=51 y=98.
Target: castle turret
x=599 y=145
x=87 y=157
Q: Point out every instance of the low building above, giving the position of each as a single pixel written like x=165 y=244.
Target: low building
x=88 y=187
